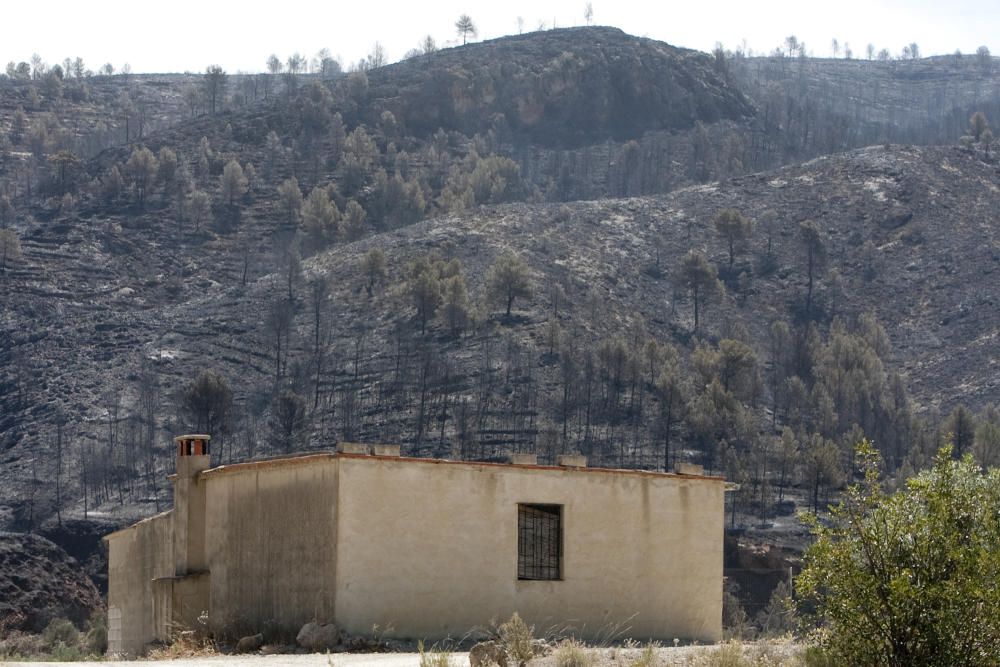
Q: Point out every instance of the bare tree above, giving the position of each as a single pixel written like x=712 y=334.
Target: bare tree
x=373 y=267
x=215 y=86
x=734 y=228
x=376 y=58
x=700 y=278
x=288 y=419
x=142 y=168
x=812 y=241
x=10 y=248
x=984 y=59
x=465 y=27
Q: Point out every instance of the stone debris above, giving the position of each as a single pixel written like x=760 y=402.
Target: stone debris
x=319 y=636
x=250 y=644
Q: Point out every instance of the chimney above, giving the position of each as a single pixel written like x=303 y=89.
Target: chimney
x=189 y=503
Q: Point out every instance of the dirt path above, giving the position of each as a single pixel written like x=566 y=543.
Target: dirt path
x=311 y=660
x=776 y=653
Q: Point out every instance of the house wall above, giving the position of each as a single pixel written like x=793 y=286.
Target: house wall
x=429 y=549
x=270 y=542
x=136 y=556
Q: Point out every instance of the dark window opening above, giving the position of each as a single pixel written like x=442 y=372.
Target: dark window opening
x=539 y=542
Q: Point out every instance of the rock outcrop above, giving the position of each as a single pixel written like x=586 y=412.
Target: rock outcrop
x=40 y=582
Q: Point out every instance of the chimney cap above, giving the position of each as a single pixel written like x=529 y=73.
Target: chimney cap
x=193 y=436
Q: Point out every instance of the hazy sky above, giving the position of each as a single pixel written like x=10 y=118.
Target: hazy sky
x=179 y=35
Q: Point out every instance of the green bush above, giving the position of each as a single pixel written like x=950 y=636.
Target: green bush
x=66 y=653
x=909 y=578
x=60 y=631
x=96 y=640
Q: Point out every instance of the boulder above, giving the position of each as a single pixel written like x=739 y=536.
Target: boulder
x=318 y=636
x=487 y=653
x=250 y=644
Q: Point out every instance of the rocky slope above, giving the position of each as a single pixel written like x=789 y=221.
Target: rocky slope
x=910 y=232
x=40 y=582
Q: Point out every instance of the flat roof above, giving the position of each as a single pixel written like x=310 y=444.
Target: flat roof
x=303 y=459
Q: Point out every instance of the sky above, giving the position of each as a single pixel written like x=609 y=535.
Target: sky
x=188 y=35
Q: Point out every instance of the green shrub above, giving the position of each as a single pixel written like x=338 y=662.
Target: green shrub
x=66 y=653
x=60 y=631
x=815 y=656
x=909 y=578
x=19 y=645
x=96 y=640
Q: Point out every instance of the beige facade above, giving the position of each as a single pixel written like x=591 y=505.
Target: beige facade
x=422 y=548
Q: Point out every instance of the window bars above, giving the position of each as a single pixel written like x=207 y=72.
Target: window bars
x=539 y=542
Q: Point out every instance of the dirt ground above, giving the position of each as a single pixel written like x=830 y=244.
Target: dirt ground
x=691 y=656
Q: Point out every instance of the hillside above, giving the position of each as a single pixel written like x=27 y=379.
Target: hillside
x=326 y=251
x=910 y=237
x=813 y=106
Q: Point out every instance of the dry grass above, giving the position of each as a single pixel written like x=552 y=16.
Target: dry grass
x=772 y=653
x=187 y=644
x=647 y=657
x=434 y=657
x=572 y=653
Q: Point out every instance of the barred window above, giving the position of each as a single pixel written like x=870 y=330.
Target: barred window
x=539 y=542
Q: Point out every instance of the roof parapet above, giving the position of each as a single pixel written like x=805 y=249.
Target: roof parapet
x=692 y=469
x=353 y=448
x=571 y=461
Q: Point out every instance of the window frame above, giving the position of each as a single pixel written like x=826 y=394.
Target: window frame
x=532 y=563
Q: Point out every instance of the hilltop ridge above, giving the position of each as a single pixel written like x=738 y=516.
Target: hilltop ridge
x=561 y=88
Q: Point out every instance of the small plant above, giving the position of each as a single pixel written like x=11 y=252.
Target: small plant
x=60 y=631
x=727 y=654
x=647 y=656
x=96 y=640
x=435 y=657
x=572 y=653
x=185 y=644
x=516 y=637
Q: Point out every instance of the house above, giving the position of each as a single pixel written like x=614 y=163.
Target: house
x=422 y=548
